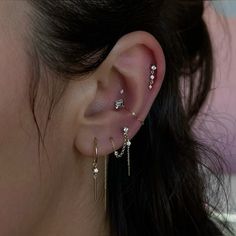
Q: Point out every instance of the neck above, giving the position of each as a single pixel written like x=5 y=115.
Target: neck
x=73 y=210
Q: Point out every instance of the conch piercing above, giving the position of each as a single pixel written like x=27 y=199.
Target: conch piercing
x=119 y=104
x=126 y=144
x=152 y=76
x=95 y=167
x=135 y=116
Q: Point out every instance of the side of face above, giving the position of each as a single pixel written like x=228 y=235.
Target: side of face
x=29 y=184
x=22 y=200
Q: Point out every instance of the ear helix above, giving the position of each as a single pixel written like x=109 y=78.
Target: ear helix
x=118 y=105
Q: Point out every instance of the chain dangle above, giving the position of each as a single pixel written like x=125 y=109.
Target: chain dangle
x=127 y=144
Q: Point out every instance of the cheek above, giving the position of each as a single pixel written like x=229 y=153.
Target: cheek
x=21 y=195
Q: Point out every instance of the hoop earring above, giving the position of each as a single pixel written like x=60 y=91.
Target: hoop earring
x=95 y=167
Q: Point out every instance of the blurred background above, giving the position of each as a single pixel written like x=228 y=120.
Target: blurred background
x=219 y=126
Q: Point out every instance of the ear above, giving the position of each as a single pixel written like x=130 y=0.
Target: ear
x=124 y=74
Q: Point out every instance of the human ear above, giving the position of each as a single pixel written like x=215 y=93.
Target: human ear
x=124 y=74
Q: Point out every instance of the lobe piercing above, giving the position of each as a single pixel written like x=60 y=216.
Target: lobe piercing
x=127 y=144
x=95 y=167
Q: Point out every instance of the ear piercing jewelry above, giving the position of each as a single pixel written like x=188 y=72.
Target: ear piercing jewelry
x=95 y=167
x=119 y=104
x=126 y=144
x=152 y=76
x=135 y=116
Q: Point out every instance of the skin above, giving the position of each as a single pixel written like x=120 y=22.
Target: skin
x=53 y=194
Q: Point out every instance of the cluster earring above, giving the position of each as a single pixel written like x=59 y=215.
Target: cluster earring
x=126 y=144
x=152 y=76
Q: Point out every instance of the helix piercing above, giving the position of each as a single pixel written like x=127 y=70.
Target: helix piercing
x=152 y=76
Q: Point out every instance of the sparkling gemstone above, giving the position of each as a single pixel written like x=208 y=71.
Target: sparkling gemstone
x=153 y=67
x=95 y=170
x=128 y=143
x=152 y=77
x=133 y=114
x=119 y=104
x=121 y=91
x=116 y=153
x=150 y=86
x=126 y=130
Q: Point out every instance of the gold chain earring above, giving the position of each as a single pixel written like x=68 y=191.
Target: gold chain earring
x=95 y=167
x=127 y=144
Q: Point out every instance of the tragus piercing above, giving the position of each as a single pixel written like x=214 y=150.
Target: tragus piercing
x=152 y=76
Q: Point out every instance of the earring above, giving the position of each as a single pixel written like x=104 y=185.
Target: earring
x=152 y=76
x=105 y=182
x=127 y=144
x=95 y=167
x=135 y=116
x=119 y=104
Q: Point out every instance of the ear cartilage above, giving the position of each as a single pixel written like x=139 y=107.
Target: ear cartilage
x=152 y=76
x=119 y=104
x=134 y=115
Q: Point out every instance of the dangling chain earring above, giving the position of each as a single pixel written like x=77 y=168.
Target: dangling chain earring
x=127 y=144
x=119 y=104
x=95 y=167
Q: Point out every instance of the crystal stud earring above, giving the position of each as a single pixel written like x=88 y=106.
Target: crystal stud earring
x=152 y=76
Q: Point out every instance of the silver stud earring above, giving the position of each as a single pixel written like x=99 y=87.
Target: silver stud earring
x=152 y=76
x=126 y=144
x=119 y=104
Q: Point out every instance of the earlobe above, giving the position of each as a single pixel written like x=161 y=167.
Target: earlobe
x=128 y=82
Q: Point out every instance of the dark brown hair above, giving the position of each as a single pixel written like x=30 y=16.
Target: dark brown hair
x=167 y=194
